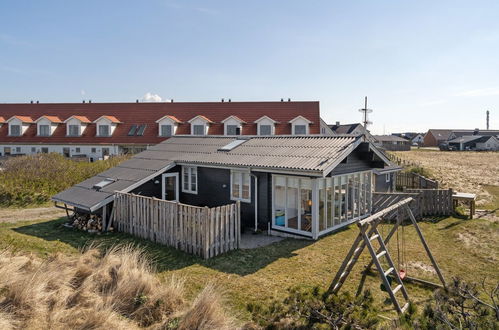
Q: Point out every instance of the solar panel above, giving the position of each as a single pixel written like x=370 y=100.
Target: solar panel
x=132 y=130
x=141 y=130
x=232 y=145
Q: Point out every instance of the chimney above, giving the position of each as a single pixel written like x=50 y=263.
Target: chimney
x=37 y=101
x=337 y=123
x=282 y=100
x=476 y=131
x=83 y=101
x=171 y=101
x=137 y=101
x=89 y=101
x=289 y=100
x=223 y=100
x=230 y=100
x=31 y=101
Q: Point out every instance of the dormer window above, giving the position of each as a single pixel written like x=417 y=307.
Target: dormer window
x=106 y=125
x=167 y=126
x=265 y=126
x=200 y=125
x=46 y=125
x=300 y=125
x=233 y=125
x=76 y=125
x=18 y=125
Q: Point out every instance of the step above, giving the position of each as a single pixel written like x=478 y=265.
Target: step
x=404 y=308
x=397 y=288
x=374 y=237
x=389 y=271
x=382 y=253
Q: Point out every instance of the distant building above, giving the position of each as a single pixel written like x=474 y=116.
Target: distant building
x=475 y=142
x=351 y=129
x=435 y=137
x=392 y=143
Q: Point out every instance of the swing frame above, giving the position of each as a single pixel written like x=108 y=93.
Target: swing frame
x=369 y=225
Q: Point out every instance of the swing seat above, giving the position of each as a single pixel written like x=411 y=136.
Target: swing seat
x=402 y=274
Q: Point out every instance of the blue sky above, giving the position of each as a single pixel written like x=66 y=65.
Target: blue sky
x=422 y=63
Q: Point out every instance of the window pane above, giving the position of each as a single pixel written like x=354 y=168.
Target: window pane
x=265 y=130
x=186 y=178
x=236 y=177
x=166 y=130
x=329 y=195
x=232 y=129
x=300 y=129
x=193 y=179
x=198 y=129
x=74 y=130
x=279 y=201
x=103 y=130
x=344 y=200
x=246 y=185
x=15 y=130
x=322 y=208
x=44 y=130
x=306 y=205
x=292 y=203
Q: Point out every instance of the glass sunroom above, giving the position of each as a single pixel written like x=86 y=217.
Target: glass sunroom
x=314 y=207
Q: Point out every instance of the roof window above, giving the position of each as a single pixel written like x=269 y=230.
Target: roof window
x=232 y=145
x=98 y=186
x=140 y=131
x=132 y=130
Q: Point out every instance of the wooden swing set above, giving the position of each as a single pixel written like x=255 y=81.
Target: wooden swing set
x=369 y=232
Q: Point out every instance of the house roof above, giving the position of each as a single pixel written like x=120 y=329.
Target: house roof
x=306 y=155
x=112 y=119
x=2 y=120
x=344 y=129
x=300 y=117
x=148 y=113
x=172 y=118
x=472 y=138
x=235 y=118
x=24 y=119
x=265 y=117
x=53 y=119
x=389 y=138
x=204 y=118
x=83 y=119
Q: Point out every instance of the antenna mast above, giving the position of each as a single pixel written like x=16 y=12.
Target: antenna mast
x=365 y=111
x=488 y=112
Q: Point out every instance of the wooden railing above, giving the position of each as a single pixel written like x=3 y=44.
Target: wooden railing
x=202 y=231
x=383 y=200
x=413 y=181
x=435 y=201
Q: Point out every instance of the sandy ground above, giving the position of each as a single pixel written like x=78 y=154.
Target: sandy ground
x=30 y=214
x=465 y=171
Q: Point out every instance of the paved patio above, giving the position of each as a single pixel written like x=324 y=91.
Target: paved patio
x=253 y=241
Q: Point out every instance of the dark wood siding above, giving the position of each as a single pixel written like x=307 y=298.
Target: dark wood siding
x=355 y=162
x=380 y=184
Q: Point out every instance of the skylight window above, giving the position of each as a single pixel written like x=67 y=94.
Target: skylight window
x=132 y=130
x=98 y=186
x=232 y=145
x=141 y=130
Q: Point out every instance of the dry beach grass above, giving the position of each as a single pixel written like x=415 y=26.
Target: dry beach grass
x=464 y=171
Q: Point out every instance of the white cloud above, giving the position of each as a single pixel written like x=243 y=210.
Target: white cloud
x=149 y=97
x=480 y=92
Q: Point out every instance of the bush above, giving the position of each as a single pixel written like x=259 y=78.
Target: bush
x=314 y=309
x=32 y=180
x=420 y=170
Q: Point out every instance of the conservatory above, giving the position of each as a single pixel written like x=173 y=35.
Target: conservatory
x=314 y=207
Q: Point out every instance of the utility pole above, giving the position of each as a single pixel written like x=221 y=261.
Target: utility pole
x=488 y=113
x=365 y=118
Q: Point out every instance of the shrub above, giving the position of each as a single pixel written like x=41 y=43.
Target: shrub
x=314 y=309
x=32 y=180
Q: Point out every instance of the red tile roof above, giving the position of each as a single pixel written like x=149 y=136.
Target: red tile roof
x=173 y=118
x=24 y=119
x=235 y=118
x=147 y=113
x=112 y=119
x=203 y=118
x=83 y=119
x=2 y=119
x=53 y=119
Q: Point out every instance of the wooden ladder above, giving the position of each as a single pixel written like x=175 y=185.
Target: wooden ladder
x=392 y=270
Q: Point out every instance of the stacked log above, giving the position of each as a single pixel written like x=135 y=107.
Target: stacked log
x=91 y=223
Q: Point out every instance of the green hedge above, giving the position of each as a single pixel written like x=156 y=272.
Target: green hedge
x=32 y=180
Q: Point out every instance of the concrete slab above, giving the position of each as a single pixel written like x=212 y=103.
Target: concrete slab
x=253 y=241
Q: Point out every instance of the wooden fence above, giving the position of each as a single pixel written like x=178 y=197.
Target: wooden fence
x=383 y=200
x=435 y=201
x=202 y=231
x=413 y=181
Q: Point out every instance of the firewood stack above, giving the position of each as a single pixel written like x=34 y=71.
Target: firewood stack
x=87 y=222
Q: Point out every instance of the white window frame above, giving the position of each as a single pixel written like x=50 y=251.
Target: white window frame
x=198 y=125
x=108 y=130
x=69 y=130
x=40 y=129
x=304 y=126
x=260 y=130
x=189 y=185
x=239 y=174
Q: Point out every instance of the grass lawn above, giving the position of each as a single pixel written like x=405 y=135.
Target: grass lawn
x=464 y=248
